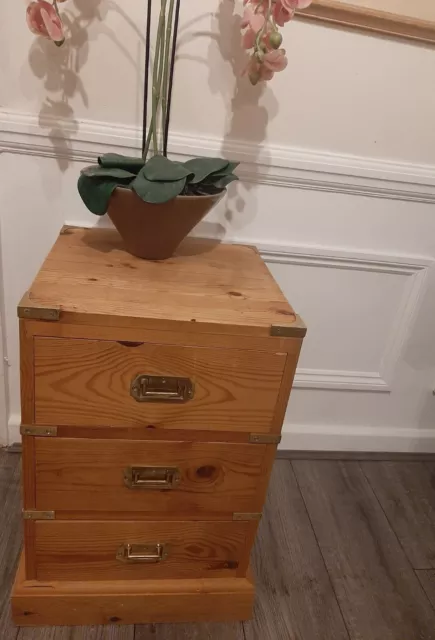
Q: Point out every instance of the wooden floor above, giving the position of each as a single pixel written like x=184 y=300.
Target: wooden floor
x=346 y=550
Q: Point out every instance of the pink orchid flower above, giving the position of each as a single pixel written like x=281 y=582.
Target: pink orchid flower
x=256 y=71
x=43 y=20
x=275 y=60
x=261 y=36
x=253 y=20
x=284 y=10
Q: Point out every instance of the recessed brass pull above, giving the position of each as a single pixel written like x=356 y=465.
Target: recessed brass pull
x=146 y=388
x=161 y=478
x=146 y=553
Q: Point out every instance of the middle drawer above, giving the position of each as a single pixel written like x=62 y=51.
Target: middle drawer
x=173 y=478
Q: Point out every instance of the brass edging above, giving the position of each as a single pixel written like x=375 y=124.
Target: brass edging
x=50 y=314
x=247 y=516
x=264 y=438
x=296 y=329
x=31 y=514
x=38 y=431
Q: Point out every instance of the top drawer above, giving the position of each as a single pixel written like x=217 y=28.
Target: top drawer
x=90 y=383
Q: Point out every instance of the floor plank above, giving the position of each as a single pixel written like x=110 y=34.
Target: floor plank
x=10 y=536
x=202 y=631
x=295 y=599
x=406 y=491
x=378 y=591
x=109 y=632
x=427 y=579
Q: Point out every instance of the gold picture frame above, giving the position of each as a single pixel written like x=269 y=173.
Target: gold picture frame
x=390 y=24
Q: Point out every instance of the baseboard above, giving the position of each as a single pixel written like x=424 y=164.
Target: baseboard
x=14 y=424
x=331 y=439
x=356 y=456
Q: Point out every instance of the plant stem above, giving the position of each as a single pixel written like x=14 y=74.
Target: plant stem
x=171 y=75
x=56 y=8
x=157 y=80
x=146 y=79
x=165 y=86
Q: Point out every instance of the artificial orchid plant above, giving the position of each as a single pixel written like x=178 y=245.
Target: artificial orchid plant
x=262 y=38
x=157 y=179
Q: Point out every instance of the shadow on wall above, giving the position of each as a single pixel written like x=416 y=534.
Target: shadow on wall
x=59 y=68
x=248 y=115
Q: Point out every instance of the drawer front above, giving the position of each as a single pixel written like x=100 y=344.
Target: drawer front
x=94 y=382
x=106 y=550
x=185 y=478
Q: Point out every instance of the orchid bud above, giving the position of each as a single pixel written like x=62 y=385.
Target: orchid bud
x=254 y=77
x=259 y=54
x=275 y=39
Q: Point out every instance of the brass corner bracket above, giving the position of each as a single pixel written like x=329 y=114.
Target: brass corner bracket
x=264 y=438
x=31 y=514
x=38 y=431
x=39 y=313
x=296 y=329
x=247 y=516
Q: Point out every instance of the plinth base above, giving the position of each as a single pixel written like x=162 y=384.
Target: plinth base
x=128 y=602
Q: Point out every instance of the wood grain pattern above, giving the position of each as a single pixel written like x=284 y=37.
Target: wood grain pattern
x=378 y=592
x=383 y=22
x=274 y=344
x=28 y=468
x=295 y=599
x=10 y=536
x=201 y=631
x=80 y=475
x=107 y=632
x=406 y=491
x=427 y=581
x=70 y=550
x=125 y=602
x=150 y=433
x=87 y=382
x=26 y=375
x=286 y=387
x=89 y=275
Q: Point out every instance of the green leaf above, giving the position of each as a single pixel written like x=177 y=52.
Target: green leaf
x=96 y=193
x=222 y=181
x=117 y=161
x=228 y=170
x=156 y=192
x=95 y=171
x=203 y=167
x=162 y=169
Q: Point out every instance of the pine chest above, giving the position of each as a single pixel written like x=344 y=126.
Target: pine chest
x=153 y=396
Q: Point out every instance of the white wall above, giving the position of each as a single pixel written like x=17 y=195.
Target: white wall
x=338 y=191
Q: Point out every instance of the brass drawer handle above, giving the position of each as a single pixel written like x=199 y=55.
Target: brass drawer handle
x=146 y=388
x=162 y=478
x=146 y=553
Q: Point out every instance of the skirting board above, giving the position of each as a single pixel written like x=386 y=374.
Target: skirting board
x=334 y=438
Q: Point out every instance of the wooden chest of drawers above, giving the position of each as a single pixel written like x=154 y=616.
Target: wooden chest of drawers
x=153 y=396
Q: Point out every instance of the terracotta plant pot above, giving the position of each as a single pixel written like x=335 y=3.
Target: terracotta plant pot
x=154 y=231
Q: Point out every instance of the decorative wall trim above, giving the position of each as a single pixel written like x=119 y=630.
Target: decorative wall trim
x=340 y=380
x=293 y=167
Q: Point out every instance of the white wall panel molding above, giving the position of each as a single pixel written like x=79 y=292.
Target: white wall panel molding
x=272 y=165
x=413 y=267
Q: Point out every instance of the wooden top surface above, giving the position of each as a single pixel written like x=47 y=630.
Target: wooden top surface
x=207 y=286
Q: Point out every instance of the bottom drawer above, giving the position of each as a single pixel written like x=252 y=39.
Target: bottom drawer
x=111 y=550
